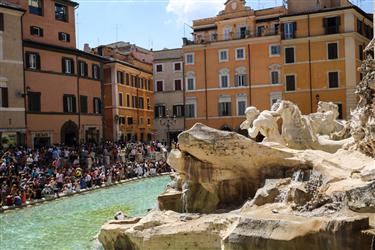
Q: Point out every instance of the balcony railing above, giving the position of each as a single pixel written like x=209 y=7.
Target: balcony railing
x=204 y=39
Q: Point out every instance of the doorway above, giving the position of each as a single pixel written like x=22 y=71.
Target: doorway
x=69 y=133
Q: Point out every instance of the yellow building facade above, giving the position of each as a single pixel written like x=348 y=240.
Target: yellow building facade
x=245 y=57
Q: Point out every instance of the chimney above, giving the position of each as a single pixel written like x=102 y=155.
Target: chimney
x=86 y=48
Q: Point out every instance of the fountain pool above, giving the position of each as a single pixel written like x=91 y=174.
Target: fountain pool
x=72 y=222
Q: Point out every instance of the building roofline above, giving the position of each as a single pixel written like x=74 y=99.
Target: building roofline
x=161 y=50
x=56 y=48
x=110 y=60
x=355 y=7
x=10 y=6
x=69 y=2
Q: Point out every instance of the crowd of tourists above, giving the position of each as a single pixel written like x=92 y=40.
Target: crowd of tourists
x=30 y=174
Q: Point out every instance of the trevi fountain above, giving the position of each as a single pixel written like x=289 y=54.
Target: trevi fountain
x=310 y=184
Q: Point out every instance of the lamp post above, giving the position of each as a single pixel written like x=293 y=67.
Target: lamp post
x=167 y=121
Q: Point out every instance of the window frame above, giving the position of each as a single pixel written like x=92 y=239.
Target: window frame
x=294 y=55
x=181 y=84
x=337 y=50
x=174 y=66
x=295 y=83
x=192 y=57
x=191 y=77
x=66 y=19
x=278 y=77
x=162 y=85
x=227 y=53
x=328 y=79
x=242 y=98
x=270 y=50
x=159 y=65
x=244 y=54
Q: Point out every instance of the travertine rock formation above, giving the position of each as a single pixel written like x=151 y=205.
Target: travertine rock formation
x=233 y=193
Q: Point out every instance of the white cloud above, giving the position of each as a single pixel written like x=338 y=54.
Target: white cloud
x=188 y=10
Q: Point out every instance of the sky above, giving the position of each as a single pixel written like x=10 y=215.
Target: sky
x=152 y=24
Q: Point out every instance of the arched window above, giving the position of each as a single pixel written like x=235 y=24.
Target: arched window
x=241 y=77
x=190 y=81
x=224 y=78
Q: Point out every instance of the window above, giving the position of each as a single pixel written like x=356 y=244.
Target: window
x=333 y=80
x=360 y=52
x=95 y=71
x=177 y=67
x=83 y=103
x=178 y=110
x=148 y=121
x=274 y=50
x=289 y=30
x=190 y=83
x=213 y=36
x=127 y=79
x=224 y=109
x=120 y=77
x=332 y=51
x=189 y=58
x=148 y=103
x=36 y=31
x=241 y=80
x=159 y=86
x=36 y=7
x=289 y=55
x=227 y=33
x=141 y=120
x=290 y=83
x=128 y=101
x=121 y=120
x=61 y=12
x=359 y=26
x=141 y=103
x=240 y=54
x=223 y=55
x=275 y=97
x=64 y=37
x=82 y=69
x=32 y=61
x=120 y=99
x=190 y=110
x=4 y=102
x=242 y=32
x=331 y=25
x=1 y=22
x=134 y=101
x=67 y=66
x=130 y=120
x=159 y=68
x=97 y=105
x=275 y=77
x=224 y=78
x=69 y=104
x=178 y=84
x=339 y=105
x=159 y=111
x=33 y=101
x=260 y=30
x=241 y=105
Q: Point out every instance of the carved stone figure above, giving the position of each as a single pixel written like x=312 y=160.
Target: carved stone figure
x=324 y=121
x=264 y=123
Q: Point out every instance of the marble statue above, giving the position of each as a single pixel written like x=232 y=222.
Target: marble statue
x=262 y=122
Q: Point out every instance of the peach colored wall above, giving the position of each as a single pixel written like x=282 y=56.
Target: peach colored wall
x=48 y=23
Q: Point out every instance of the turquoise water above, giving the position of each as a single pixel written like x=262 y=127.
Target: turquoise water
x=72 y=222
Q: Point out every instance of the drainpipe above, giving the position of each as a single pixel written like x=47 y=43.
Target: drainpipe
x=102 y=101
x=249 y=80
x=184 y=91
x=24 y=81
x=205 y=82
x=79 y=104
x=310 y=73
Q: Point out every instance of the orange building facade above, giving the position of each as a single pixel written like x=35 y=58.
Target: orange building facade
x=128 y=93
x=63 y=84
x=245 y=57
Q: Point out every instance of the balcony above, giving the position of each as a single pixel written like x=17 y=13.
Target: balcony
x=206 y=39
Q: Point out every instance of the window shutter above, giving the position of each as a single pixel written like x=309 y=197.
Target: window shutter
x=156 y=112
x=175 y=110
x=65 y=103
x=63 y=66
x=72 y=62
x=27 y=59
x=32 y=30
x=60 y=36
x=74 y=104
x=294 y=29
x=86 y=70
x=37 y=61
x=325 y=22
x=41 y=32
x=338 y=20
x=68 y=37
x=282 y=30
x=1 y=21
x=4 y=97
x=79 y=68
x=100 y=106
x=183 y=110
